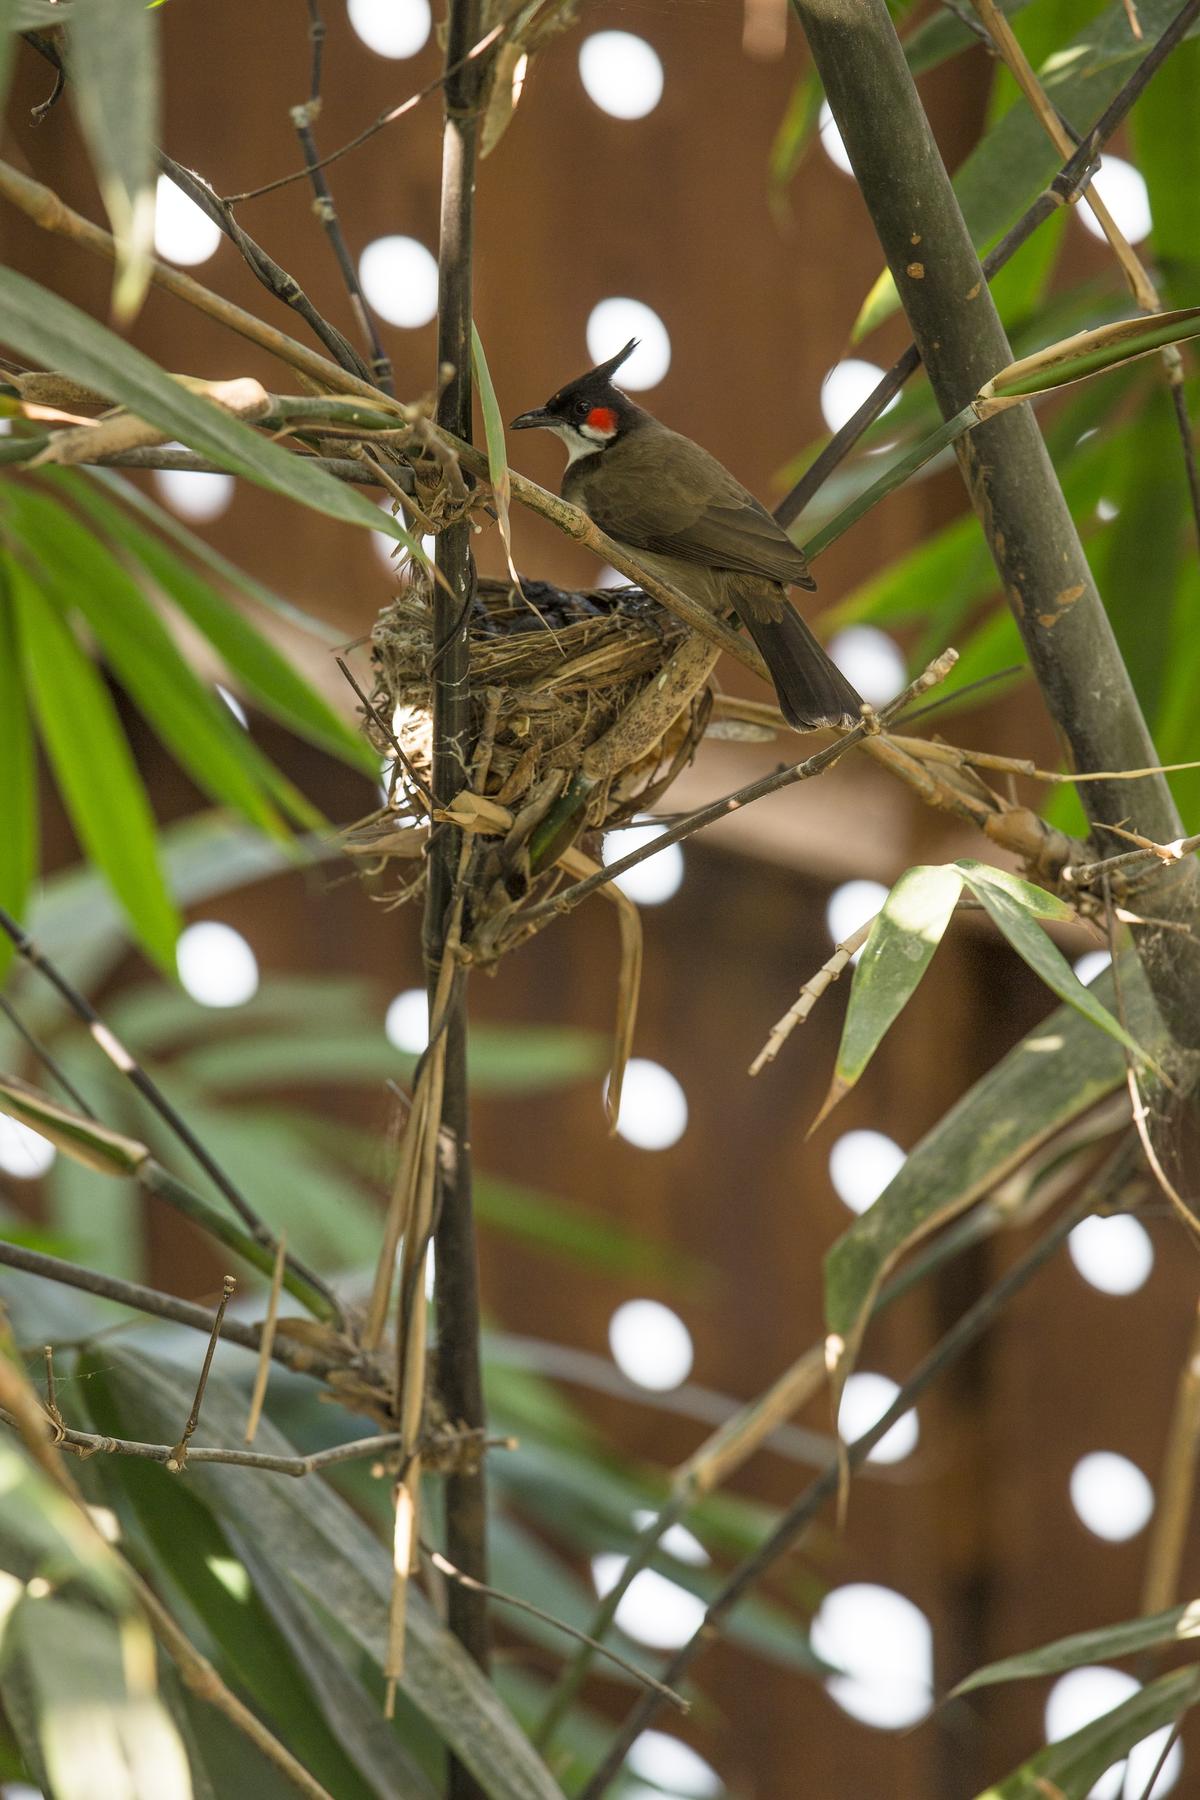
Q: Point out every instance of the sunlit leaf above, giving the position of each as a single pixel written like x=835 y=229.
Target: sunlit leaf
x=902 y=940
x=92 y=762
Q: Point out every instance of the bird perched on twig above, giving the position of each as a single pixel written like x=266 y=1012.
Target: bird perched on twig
x=684 y=516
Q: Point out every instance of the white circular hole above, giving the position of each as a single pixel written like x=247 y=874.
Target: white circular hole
x=654 y=1111
x=831 y=139
x=1080 y=1697
x=655 y=1611
x=613 y=322
x=672 y=1766
x=1107 y=511
x=394 y=28
x=1091 y=964
x=1123 y=190
x=851 y=905
x=865 y=1399
x=23 y=1153
x=845 y=388
x=198 y=494
x=1111 y=1495
x=1113 y=1254
x=885 y=1646
x=650 y=1344
x=861 y=1164
x=621 y=74
x=216 y=965
x=400 y=280
x=676 y=1540
x=654 y=880
x=406 y=1023
x=870 y=660
x=182 y=232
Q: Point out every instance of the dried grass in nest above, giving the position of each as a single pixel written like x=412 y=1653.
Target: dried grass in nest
x=591 y=710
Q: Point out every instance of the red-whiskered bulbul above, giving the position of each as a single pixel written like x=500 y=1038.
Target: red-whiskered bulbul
x=675 y=508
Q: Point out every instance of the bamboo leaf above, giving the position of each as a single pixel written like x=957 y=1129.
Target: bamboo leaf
x=94 y=1145
x=1052 y=1077
x=897 y=953
x=1069 y=1769
x=1014 y=906
x=497 y=453
x=250 y=657
x=1180 y=1624
x=95 y=770
x=113 y=48
x=51 y=331
x=18 y=779
x=1093 y=352
x=904 y=466
x=309 y=1536
x=187 y=716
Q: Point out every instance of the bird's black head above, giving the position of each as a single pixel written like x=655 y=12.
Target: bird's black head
x=588 y=414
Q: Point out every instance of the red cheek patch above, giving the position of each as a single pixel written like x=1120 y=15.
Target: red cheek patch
x=602 y=418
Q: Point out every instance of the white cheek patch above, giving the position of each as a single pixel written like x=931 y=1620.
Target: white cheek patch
x=581 y=441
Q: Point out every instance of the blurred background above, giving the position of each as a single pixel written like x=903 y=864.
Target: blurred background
x=649 y=1277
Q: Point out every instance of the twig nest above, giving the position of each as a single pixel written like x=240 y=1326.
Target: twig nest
x=584 y=707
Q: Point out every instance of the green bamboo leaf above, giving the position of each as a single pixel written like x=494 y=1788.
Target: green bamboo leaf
x=113 y=60
x=306 y=1534
x=164 y=521
x=84 y=1140
x=1093 y=352
x=1052 y=1077
x=1015 y=906
x=94 y=767
x=794 y=135
x=250 y=657
x=188 y=717
x=51 y=331
x=195 y=1558
x=497 y=454
x=897 y=953
x=1178 y=1625
x=18 y=778
x=1069 y=1769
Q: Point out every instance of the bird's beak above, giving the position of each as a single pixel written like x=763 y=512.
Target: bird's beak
x=531 y=420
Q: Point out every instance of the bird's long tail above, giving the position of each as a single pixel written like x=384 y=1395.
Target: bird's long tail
x=812 y=690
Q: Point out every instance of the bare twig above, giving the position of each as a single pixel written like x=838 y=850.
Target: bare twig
x=818 y=984
x=45 y=1056
x=179 y=1454
x=262 y=1373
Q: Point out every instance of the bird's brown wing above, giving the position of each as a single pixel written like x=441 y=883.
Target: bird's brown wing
x=677 y=500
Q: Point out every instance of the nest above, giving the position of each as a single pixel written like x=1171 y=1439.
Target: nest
x=583 y=711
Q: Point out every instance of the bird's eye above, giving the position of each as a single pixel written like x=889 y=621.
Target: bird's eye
x=582 y=408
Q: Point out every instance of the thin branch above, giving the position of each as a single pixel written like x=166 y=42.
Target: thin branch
x=45 y=1056
x=179 y=1454
x=132 y=1070
x=446 y=1568
x=961 y=1336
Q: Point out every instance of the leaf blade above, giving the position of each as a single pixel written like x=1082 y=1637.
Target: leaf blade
x=114 y=68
